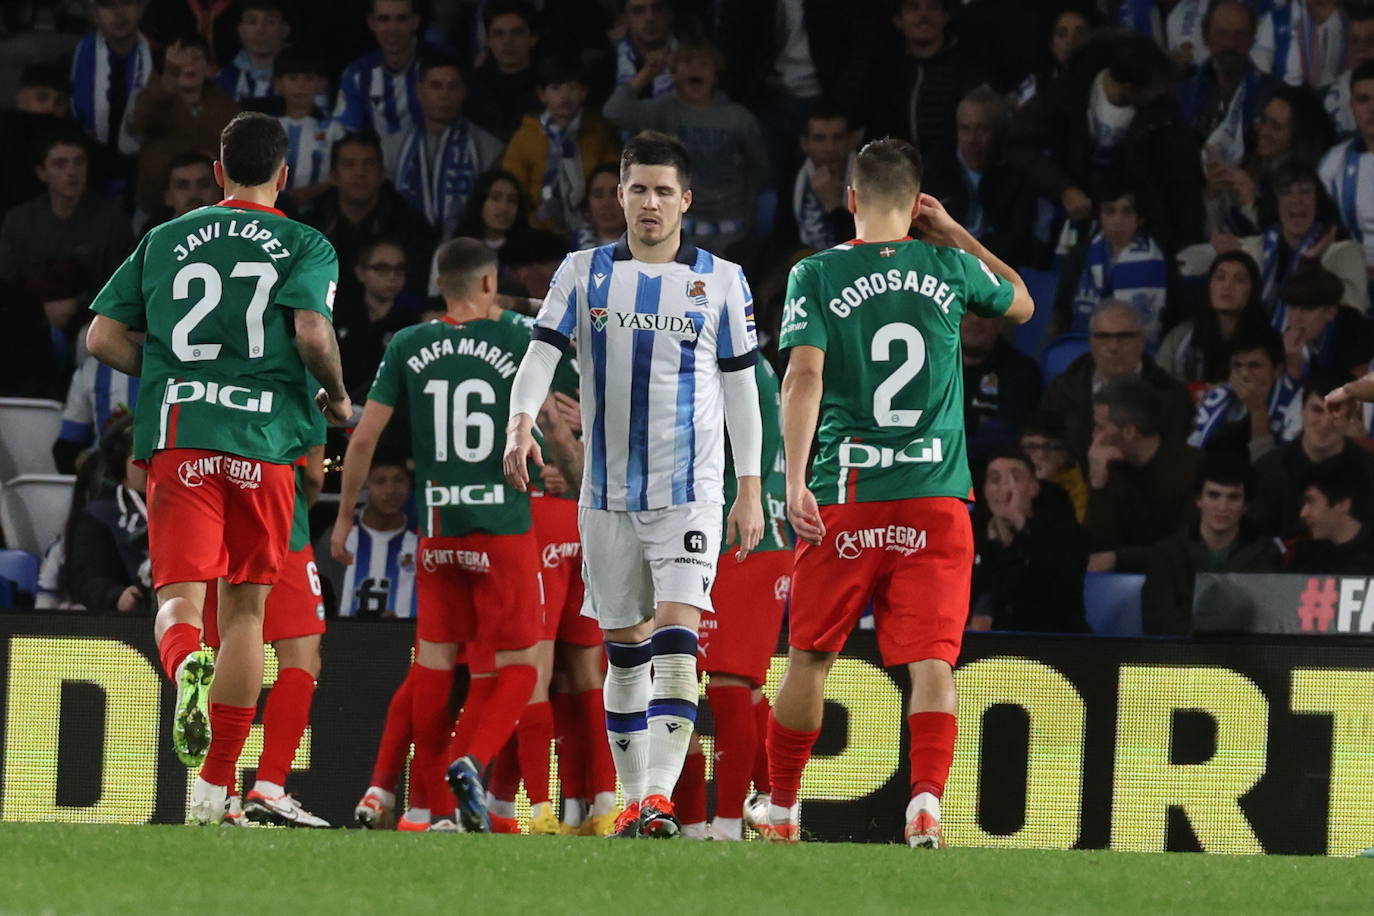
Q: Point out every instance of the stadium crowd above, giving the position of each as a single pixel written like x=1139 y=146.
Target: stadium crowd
x=1190 y=184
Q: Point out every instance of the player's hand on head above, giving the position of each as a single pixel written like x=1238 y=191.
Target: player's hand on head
x=339 y=539
x=933 y=221
x=805 y=515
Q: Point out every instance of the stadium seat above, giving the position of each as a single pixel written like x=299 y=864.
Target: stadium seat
x=18 y=570
x=1030 y=337
x=28 y=428
x=33 y=509
x=1061 y=351
x=1113 y=603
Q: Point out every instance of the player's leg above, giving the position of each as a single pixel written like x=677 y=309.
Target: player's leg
x=285 y=717
x=503 y=784
x=585 y=666
x=430 y=722
x=533 y=737
x=932 y=727
x=187 y=665
x=756 y=802
x=796 y=724
x=735 y=748
x=377 y=808
x=689 y=795
x=568 y=749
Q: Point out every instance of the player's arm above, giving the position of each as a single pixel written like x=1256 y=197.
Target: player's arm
x=737 y=355
x=939 y=228
x=319 y=350
x=120 y=310
x=564 y=450
x=522 y=305
x=109 y=341
x=801 y=406
x=357 y=462
x=549 y=340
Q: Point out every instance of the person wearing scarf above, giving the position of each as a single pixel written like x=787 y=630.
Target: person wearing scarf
x=1347 y=170
x=1321 y=334
x=1257 y=407
x=263 y=31
x=1361 y=49
x=1122 y=263
x=110 y=65
x=1303 y=41
x=818 y=204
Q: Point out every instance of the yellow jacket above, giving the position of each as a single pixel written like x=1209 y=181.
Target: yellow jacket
x=528 y=152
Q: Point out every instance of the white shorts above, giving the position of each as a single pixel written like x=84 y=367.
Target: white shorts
x=632 y=561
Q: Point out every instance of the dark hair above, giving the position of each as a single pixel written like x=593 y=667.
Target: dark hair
x=372 y=6
x=1248 y=340
x=93 y=476
x=366 y=138
x=605 y=168
x=252 y=147
x=1313 y=133
x=389 y=459
x=369 y=248
x=46 y=76
x=538 y=246
x=461 y=259
x=188 y=40
x=1225 y=469
x=559 y=69
x=1138 y=61
x=1131 y=401
x=65 y=135
x=1008 y=454
x=190 y=157
x=1115 y=187
x=889 y=168
x=826 y=108
x=471 y=223
x=650 y=147
x=437 y=60
x=1209 y=357
x=1339 y=479
x=1364 y=71
x=1045 y=423
x=1311 y=287
x=1321 y=384
x=1211 y=11
x=521 y=8
x=297 y=60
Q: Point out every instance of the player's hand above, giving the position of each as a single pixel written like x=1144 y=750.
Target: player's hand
x=520 y=450
x=570 y=411
x=336 y=411
x=337 y=541
x=805 y=515
x=129 y=599
x=745 y=521
x=934 y=222
x=1339 y=395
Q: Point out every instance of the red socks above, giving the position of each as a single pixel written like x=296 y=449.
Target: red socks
x=284 y=720
x=229 y=727
x=497 y=715
x=395 y=743
x=179 y=641
x=788 y=752
x=599 y=767
x=504 y=780
x=567 y=741
x=736 y=745
x=431 y=725
x=478 y=692
x=689 y=798
x=932 y=750
x=761 y=715
x=532 y=736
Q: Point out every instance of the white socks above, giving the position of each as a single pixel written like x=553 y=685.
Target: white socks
x=673 y=709
x=626 y=696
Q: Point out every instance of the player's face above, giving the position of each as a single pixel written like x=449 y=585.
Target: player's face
x=922 y=22
x=441 y=93
x=1119 y=221
x=1275 y=134
x=1117 y=343
x=42 y=100
x=1298 y=208
x=828 y=141
x=117 y=19
x=393 y=24
x=387 y=489
x=1309 y=324
x=648 y=21
x=263 y=32
x=1221 y=506
x=603 y=206
x=510 y=41
x=1253 y=368
x=1323 y=425
x=1070 y=32
x=189 y=187
x=694 y=76
x=653 y=201
x=1361 y=42
x=1230 y=37
x=383 y=274
x=64 y=170
x=563 y=100
x=1228 y=290
x=501 y=207
x=358 y=174
x=299 y=90
x=974 y=131
x=1362 y=106
x=1322 y=519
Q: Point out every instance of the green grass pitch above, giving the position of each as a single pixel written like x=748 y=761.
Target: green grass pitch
x=149 y=870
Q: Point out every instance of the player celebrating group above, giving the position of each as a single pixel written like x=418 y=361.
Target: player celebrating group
x=873 y=329
x=665 y=345
x=226 y=409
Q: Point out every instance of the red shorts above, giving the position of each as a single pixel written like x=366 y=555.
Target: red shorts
x=479 y=587
x=294 y=606
x=913 y=558
x=560 y=552
x=750 y=597
x=212 y=516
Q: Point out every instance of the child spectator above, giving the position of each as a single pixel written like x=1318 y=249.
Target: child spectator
x=1322 y=335
x=1257 y=407
x=110 y=65
x=299 y=78
x=554 y=153
x=603 y=219
x=1198 y=350
x=1122 y=263
x=381 y=580
x=263 y=31
x=98 y=396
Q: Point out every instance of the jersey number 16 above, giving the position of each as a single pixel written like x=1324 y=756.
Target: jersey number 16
x=466 y=422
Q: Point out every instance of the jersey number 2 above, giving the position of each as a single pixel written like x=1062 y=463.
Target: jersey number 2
x=464 y=422
x=212 y=291
x=888 y=389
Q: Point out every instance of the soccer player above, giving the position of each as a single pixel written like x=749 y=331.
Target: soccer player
x=666 y=345
x=873 y=330
x=226 y=408
x=478 y=580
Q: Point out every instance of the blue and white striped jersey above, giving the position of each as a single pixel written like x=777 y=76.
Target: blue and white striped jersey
x=371 y=96
x=1347 y=171
x=241 y=80
x=382 y=577
x=652 y=342
x=308 y=142
x=95 y=394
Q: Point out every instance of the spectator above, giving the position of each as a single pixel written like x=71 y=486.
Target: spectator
x=1031 y=553
x=1347 y=169
x=1361 y=48
x=1277 y=503
x=88 y=485
x=381 y=580
x=1322 y=335
x=1116 y=349
x=1223 y=98
x=41 y=106
x=1069 y=31
x=439 y=159
x=1303 y=42
x=106 y=565
x=300 y=80
x=377 y=91
x=1257 y=407
x=263 y=30
x=110 y=65
x=67 y=225
x=729 y=161
x=496 y=212
x=503 y=85
x=1138 y=480
x=531 y=260
x=1220 y=541
x=603 y=217
x=97 y=397
x=1334 y=506
x=927 y=77
x=554 y=153
x=1001 y=387
x=44 y=90
x=190 y=185
x=1122 y=263
x=1175 y=25
x=362 y=206
x=643 y=56
x=815 y=214
x=1198 y=350
x=1042 y=439
x=368 y=314
x=1113 y=113
x=181 y=111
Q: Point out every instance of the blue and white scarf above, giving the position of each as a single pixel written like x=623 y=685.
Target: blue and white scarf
x=813 y=225
x=1269 y=268
x=91 y=69
x=1139 y=276
x=1295 y=43
x=564 y=183
x=628 y=63
x=241 y=80
x=1222 y=406
x=1141 y=16
x=1226 y=142
x=439 y=190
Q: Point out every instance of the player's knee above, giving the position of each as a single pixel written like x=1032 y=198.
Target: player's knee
x=932 y=686
x=810 y=663
x=731 y=680
x=526 y=656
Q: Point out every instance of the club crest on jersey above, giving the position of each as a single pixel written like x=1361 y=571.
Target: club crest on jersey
x=696 y=291
x=599 y=316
